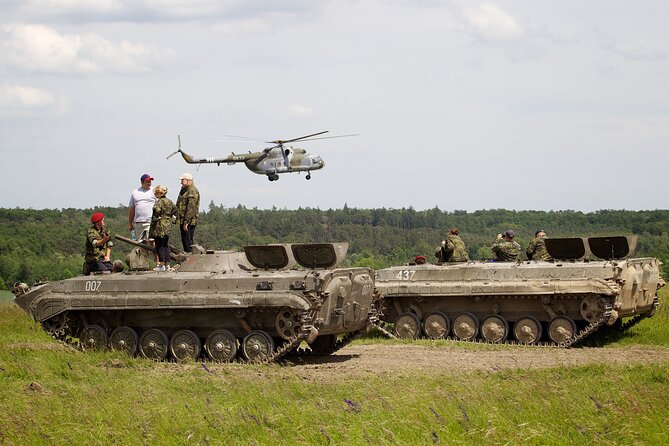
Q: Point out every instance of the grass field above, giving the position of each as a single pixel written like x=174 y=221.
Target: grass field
x=51 y=394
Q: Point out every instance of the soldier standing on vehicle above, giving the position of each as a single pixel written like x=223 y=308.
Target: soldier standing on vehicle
x=98 y=246
x=188 y=208
x=161 y=225
x=506 y=249
x=452 y=249
x=140 y=208
x=536 y=250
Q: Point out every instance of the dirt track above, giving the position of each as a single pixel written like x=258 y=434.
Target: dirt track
x=391 y=359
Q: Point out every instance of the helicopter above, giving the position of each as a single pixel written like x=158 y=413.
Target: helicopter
x=271 y=161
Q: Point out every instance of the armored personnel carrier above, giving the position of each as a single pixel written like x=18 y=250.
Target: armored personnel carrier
x=258 y=304
x=556 y=302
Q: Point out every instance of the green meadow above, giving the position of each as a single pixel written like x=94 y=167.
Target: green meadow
x=53 y=394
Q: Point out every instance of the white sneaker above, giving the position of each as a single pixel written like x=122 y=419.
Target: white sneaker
x=159 y=268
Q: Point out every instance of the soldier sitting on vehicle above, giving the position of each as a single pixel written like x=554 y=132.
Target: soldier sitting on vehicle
x=452 y=249
x=98 y=246
x=536 y=249
x=506 y=249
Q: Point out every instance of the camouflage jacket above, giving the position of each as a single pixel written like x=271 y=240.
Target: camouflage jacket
x=161 y=220
x=506 y=251
x=454 y=251
x=188 y=205
x=95 y=253
x=536 y=250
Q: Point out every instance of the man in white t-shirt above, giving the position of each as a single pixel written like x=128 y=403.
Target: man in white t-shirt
x=140 y=210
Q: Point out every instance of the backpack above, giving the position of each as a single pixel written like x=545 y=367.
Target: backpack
x=137 y=260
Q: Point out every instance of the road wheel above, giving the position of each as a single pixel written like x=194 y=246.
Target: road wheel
x=124 y=339
x=436 y=325
x=185 y=345
x=494 y=329
x=221 y=346
x=407 y=326
x=257 y=346
x=153 y=344
x=466 y=327
x=93 y=337
x=527 y=330
x=561 y=329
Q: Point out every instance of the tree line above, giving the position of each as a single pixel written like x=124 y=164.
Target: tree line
x=49 y=243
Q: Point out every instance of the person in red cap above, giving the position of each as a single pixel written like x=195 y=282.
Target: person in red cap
x=140 y=208
x=98 y=246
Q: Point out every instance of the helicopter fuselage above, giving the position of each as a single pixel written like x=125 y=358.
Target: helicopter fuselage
x=285 y=160
x=273 y=160
x=278 y=160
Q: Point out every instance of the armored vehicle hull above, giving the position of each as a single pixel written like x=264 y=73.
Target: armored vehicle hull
x=221 y=305
x=558 y=302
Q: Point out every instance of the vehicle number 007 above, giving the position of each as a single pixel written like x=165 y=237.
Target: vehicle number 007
x=93 y=285
x=405 y=274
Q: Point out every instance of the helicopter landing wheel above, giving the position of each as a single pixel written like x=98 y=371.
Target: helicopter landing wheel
x=308 y=177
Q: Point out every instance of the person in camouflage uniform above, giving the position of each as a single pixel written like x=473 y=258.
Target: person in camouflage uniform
x=161 y=225
x=188 y=208
x=98 y=246
x=536 y=250
x=453 y=248
x=506 y=249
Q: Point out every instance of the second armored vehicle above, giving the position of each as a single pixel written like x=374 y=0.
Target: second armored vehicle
x=561 y=301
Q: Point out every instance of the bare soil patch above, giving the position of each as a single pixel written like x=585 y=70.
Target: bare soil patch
x=379 y=359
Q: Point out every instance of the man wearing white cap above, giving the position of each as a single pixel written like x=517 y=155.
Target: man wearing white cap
x=188 y=208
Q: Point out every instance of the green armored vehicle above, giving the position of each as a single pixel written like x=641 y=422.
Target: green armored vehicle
x=258 y=304
x=555 y=302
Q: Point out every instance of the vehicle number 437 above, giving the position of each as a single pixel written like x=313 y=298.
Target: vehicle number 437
x=405 y=274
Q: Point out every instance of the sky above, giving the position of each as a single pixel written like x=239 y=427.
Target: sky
x=460 y=105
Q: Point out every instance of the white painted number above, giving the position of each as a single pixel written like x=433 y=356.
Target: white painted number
x=93 y=285
x=366 y=289
x=405 y=274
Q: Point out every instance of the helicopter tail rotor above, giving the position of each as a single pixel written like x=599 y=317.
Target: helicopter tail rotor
x=177 y=150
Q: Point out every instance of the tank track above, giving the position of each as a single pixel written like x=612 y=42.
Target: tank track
x=578 y=337
x=639 y=317
x=59 y=333
x=330 y=349
x=292 y=343
x=341 y=343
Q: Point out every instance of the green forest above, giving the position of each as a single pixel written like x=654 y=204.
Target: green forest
x=49 y=243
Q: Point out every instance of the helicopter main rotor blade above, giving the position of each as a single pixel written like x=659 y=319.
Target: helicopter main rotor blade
x=283 y=141
x=330 y=137
x=244 y=137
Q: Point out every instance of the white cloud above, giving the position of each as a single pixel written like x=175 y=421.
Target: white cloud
x=20 y=100
x=40 y=48
x=490 y=22
x=186 y=8
x=69 y=6
x=81 y=11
